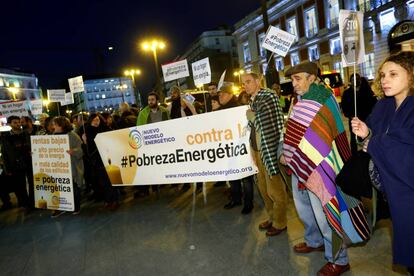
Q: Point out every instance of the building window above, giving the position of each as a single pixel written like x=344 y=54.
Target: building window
x=280 y=65
x=246 y=52
x=335 y=46
x=217 y=41
x=333 y=6
x=338 y=67
x=103 y=96
x=97 y=96
x=262 y=51
x=368 y=66
x=364 y=5
x=310 y=22
x=292 y=28
x=313 y=52
x=294 y=58
x=387 y=18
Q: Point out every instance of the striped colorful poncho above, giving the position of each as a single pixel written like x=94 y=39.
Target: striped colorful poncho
x=315 y=149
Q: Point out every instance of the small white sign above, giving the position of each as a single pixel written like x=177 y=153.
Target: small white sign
x=221 y=81
x=352 y=37
x=56 y=95
x=278 y=41
x=176 y=70
x=201 y=71
x=36 y=107
x=189 y=98
x=68 y=99
x=76 y=84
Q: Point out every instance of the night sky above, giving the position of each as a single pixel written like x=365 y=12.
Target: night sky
x=61 y=39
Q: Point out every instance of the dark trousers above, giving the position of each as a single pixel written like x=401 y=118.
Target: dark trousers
x=110 y=193
x=19 y=188
x=4 y=190
x=236 y=190
x=76 y=197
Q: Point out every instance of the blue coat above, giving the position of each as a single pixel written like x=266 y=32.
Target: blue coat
x=392 y=150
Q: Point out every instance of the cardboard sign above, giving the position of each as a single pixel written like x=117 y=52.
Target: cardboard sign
x=68 y=99
x=18 y=108
x=176 y=70
x=352 y=37
x=278 y=41
x=76 y=84
x=52 y=172
x=201 y=71
x=36 y=107
x=213 y=146
x=56 y=95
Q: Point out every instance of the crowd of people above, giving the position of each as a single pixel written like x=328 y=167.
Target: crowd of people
x=311 y=145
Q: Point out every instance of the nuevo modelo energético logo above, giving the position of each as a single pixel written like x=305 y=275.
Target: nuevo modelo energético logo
x=135 y=139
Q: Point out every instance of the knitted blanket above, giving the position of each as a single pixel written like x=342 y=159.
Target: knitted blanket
x=315 y=148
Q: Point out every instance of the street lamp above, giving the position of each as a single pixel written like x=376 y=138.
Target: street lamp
x=153 y=46
x=131 y=73
x=238 y=73
x=14 y=91
x=46 y=103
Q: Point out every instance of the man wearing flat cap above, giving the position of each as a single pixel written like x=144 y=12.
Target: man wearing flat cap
x=315 y=148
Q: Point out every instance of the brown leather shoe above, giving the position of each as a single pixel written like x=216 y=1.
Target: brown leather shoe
x=274 y=231
x=265 y=225
x=304 y=248
x=331 y=269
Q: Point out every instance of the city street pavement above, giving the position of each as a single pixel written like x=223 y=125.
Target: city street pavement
x=165 y=234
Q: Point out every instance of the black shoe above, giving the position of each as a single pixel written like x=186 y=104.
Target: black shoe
x=231 y=205
x=247 y=209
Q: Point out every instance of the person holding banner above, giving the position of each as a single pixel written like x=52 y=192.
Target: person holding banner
x=315 y=148
x=152 y=113
x=62 y=125
x=389 y=139
x=229 y=100
x=266 y=121
x=100 y=181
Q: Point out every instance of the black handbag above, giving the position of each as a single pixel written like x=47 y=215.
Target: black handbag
x=354 y=178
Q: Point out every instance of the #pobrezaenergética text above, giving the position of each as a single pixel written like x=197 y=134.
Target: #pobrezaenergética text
x=180 y=156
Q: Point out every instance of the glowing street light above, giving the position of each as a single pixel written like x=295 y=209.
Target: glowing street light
x=131 y=73
x=238 y=73
x=14 y=91
x=46 y=103
x=153 y=46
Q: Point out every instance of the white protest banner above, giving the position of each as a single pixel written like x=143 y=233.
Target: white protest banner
x=56 y=95
x=212 y=146
x=68 y=99
x=76 y=84
x=17 y=108
x=201 y=71
x=176 y=70
x=36 y=107
x=278 y=41
x=352 y=37
x=52 y=172
x=221 y=81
